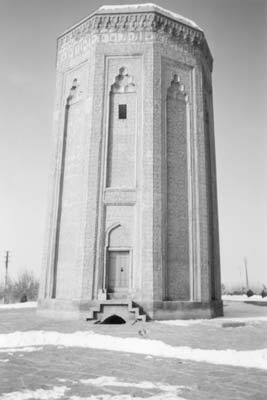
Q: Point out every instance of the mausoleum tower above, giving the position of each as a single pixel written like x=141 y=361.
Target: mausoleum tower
x=132 y=226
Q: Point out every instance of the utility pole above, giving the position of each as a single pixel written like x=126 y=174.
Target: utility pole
x=6 y=276
x=246 y=271
x=241 y=275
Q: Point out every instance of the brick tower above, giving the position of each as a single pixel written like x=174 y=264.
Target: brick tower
x=132 y=227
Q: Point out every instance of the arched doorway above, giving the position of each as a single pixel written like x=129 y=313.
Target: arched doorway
x=118 y=272
x=117 y=262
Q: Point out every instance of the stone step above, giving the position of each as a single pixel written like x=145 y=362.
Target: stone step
x=126 y=310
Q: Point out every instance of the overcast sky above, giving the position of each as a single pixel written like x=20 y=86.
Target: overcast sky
x=235 y=32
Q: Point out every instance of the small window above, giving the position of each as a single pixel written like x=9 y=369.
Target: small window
x=122 y=111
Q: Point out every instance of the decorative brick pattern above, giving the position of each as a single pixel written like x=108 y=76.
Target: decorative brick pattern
x=177 y=194
x=122 y=142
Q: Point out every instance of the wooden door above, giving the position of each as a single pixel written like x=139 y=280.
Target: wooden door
x=118 y=271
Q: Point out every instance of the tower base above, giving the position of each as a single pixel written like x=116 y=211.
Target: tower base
x=100 y=310
x=168 y=310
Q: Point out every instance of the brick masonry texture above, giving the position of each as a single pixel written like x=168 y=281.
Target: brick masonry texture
x=145 y=184
x=177 y=196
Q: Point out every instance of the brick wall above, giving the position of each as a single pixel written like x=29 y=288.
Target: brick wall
x=178 y=263
x=122 y=142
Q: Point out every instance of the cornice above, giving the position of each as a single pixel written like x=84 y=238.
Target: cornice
x=139 y=22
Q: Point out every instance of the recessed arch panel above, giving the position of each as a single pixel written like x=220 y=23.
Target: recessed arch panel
x=178 y=261
x=122 y=132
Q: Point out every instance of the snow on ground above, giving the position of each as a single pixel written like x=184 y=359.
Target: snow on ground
x=214 y=321
x=87 y=339
x=33 y=304
x=166 y=392
x=28 y=349
x=243 y=297
x=40 y=394
x=28 y=304
x=160 y=396
x=113 y=381
x=182 y=322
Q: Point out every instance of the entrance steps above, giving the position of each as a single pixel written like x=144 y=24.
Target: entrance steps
x=122 y=308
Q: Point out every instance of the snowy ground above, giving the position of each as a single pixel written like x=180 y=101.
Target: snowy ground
x=29 y=304
x=165 y=391
x=215 y=321
x=175 y=360
x=33 y=304
x=243 y=297
x=13 y=342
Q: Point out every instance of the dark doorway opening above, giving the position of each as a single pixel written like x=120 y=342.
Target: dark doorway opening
x=113 y=319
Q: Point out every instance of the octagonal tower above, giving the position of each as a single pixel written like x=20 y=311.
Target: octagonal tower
x=132 y=227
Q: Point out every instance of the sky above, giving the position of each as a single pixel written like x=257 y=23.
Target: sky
x=236 y=31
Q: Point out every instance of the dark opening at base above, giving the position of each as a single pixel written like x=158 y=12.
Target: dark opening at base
x=113 y=319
